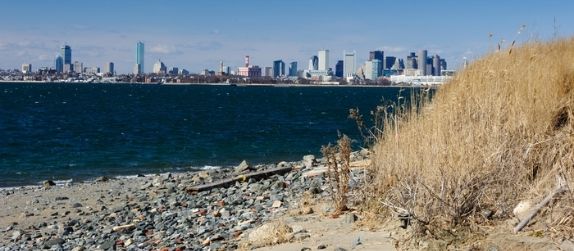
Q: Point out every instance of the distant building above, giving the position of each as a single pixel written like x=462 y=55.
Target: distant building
x=139 y=66
x=436 y=65
x=67 y=54
x=350 y=67
x=78 y=67
x=293 y=69
x=371 y=70
x=379 y=55
x=174 y=71
x=252 y=71
x=422 y=62
x=268 y=71
x=443 y=65
x=109 y=69
x=68 y=68
x=92 y=70
x=339 y=69
x=314 y=63
x=183 y=72
x=411 y=62
x=26 y=68
x=389 y=62
x=159 y=68
x=59 y=64
x=278 y=68
x=323 y=60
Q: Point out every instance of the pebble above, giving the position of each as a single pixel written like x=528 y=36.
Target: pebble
x=157 y=212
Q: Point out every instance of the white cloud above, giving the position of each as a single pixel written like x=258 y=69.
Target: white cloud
x=163 y=49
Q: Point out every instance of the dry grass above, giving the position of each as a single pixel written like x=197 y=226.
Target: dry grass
x=339 y=172
x=498 y=133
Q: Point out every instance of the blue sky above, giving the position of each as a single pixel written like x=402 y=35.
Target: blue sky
x=198 y=34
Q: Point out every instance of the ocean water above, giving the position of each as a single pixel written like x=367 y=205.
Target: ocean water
x=82 y=131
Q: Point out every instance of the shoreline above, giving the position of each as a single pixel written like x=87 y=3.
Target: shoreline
x=221 y=84
x=167 y=211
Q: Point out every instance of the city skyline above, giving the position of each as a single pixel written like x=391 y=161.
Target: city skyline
x=201 y=40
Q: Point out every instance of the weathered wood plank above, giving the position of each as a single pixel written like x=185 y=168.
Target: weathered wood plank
x=240 y=177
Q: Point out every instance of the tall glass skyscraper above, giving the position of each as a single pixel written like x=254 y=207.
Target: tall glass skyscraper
x=278 y=68
x=59 y=64
x=139 y=67
x=67 y=54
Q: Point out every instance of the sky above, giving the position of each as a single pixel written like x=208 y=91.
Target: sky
x=198 y=34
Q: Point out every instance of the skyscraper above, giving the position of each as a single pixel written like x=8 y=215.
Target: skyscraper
x=436 y=65
x=389 y=62
x=109 y=69
x=139 y=67
x=314 y=63
x=422 y=62
x=323 y=60
x=339 y=69
x=379 y=55
x=278 y=68
x=78 y=67
x=59 y=64
x=293 y=69
x=26 y=68
x=67 y=54
x=349 y=65
x=159 y=68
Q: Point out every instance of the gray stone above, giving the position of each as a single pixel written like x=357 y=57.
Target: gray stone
x=102 y=179
x=321 y=246
x=340 y=249
x=58 y=198
x=77 y=205
x=567 y=245
x=108 y=244
x=16 y=235
x=48 y=183
x=53 y=242
x=244 y=166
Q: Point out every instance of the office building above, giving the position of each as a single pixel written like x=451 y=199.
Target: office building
x=26 y=68
x=268 y=71
x=139 y=66
x=67 y=54
x=349 y=64
x=436 y=65
x=371 y=69
x=443 y=65
x=278 y=68
x=389 y=62
x=422 y=62
x=314 y=63
x=78 y=67
x=59 y=64
x=323 y=60
x=293 y=69
x=92 y=70
x=174 y=71
x=380 y=55
x=339 y=69
x=68 y=68
x=252 y=71
x=109 y=69
x=411 y=62
x=159 y=68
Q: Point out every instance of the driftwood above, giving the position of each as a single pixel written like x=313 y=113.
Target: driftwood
x=561 y=188
x=240 y=177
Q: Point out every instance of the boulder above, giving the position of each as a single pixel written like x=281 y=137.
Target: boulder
x=48 y=183
x=244 y=166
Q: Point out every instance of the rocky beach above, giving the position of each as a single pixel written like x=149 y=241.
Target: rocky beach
x=246 y=207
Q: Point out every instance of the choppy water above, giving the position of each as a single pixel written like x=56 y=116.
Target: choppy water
x=81 y=131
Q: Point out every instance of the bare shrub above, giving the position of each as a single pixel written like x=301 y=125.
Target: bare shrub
x=339 y=164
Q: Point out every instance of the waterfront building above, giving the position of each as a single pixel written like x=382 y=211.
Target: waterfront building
x=422 y=62
x=59 y=64
x=293 y=69
x=159 y=68
x=139 y=66
x=26 y=68
x=278 y=68
x=268 y=71
x=436 y=65
x=443 y=65
x=323 y=60
x=349 y=64
x=92 y=70
x=109 y=68
x=339 y=69
x=183 y=72
x=252 y=71
x=78 y=67
x=67 y=54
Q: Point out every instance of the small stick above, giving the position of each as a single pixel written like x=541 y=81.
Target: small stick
x=560 y=189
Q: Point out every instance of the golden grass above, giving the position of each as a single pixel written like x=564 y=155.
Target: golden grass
x=499 y=132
